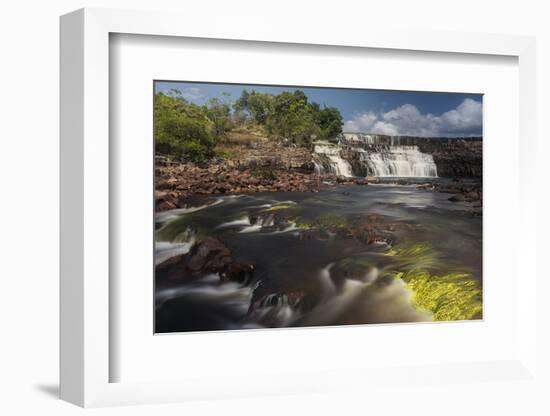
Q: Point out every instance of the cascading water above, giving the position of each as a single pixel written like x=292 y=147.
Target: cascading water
x=400 y=161
x=371 y=155
x=329 y=160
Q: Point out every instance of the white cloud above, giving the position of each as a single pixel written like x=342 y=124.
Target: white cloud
x=382 y=127
x=466 y=119
x=192 y=94
x=363 y=122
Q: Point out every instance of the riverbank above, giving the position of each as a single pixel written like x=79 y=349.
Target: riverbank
x=176 y=183
x=253 y=163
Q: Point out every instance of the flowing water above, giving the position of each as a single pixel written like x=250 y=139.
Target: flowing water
x=311 y=266
x=371 y=155
x=399 y=161
x=334 y=163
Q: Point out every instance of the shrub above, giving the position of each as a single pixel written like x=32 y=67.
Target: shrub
x=182 y=129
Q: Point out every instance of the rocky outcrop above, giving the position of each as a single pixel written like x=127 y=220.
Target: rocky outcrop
x=374 y=228
x=209 y=256
x=456 y=157
x=463 y=191
x=460 y=190
x=176 y=183
x=268 y=166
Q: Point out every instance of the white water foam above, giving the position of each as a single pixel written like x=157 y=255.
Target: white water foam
x=165 y=250
x=172 y=214
x=386 y=161
x=338 y=165
x=400 y=161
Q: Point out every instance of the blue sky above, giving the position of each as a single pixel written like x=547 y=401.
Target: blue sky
x=368 y=111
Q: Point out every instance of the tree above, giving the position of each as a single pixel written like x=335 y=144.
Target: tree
x=258 y=105
x=220 y=114
x=182 y=130
x=293 y=118
x=329 y=121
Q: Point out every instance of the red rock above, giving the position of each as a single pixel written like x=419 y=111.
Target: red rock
x=166 y=205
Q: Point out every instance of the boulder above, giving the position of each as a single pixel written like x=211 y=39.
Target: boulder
x=166 y=205
x=374 y=228
x=471 y=196
x=209 y=256
x=457 y=198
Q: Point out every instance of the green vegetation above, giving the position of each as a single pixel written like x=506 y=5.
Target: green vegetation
x=186 y=227
x=182 y=129
x=280 y=207
x=219 y=113
x=255 y=105
x=264 y=172
x=290 y=116
x=189 y=132
x=324 y=222
x=450 y=297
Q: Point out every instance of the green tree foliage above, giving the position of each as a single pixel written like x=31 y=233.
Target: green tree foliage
x=258 y=105
x=289 y=115
x=329 y=121
x=190 y=132
x=220 y=114
x=293 y=118
x=182 y=130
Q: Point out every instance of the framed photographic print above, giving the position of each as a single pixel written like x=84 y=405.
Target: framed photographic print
x=264 y=218
x=287 y=213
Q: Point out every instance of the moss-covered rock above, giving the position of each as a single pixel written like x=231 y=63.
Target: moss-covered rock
x=449 y=296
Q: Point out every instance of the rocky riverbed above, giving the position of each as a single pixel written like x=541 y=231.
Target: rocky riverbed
x=263 y=165
x=177 y=183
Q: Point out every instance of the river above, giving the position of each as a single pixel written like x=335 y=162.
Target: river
x=351 y=254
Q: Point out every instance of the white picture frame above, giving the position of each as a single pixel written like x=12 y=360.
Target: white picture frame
x=85 y=216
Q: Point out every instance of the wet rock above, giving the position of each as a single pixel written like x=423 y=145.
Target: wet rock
x=263 y=218
x=472 y=196
x=308 y=167
x=166 y=205
x=171 y=270
x=374 y=228
x=209 y=256
x=476 y=211
x=455 y=158
x=343 y=179
x=237 y=272
x=165 y=200
x=354 y=268
x=314 y=234
x=160 y=195
x=457 y=198
x=296 y=299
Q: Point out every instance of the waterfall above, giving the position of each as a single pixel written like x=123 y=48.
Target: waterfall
x=400 y=161
x=329 y=160
x=372 y=155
